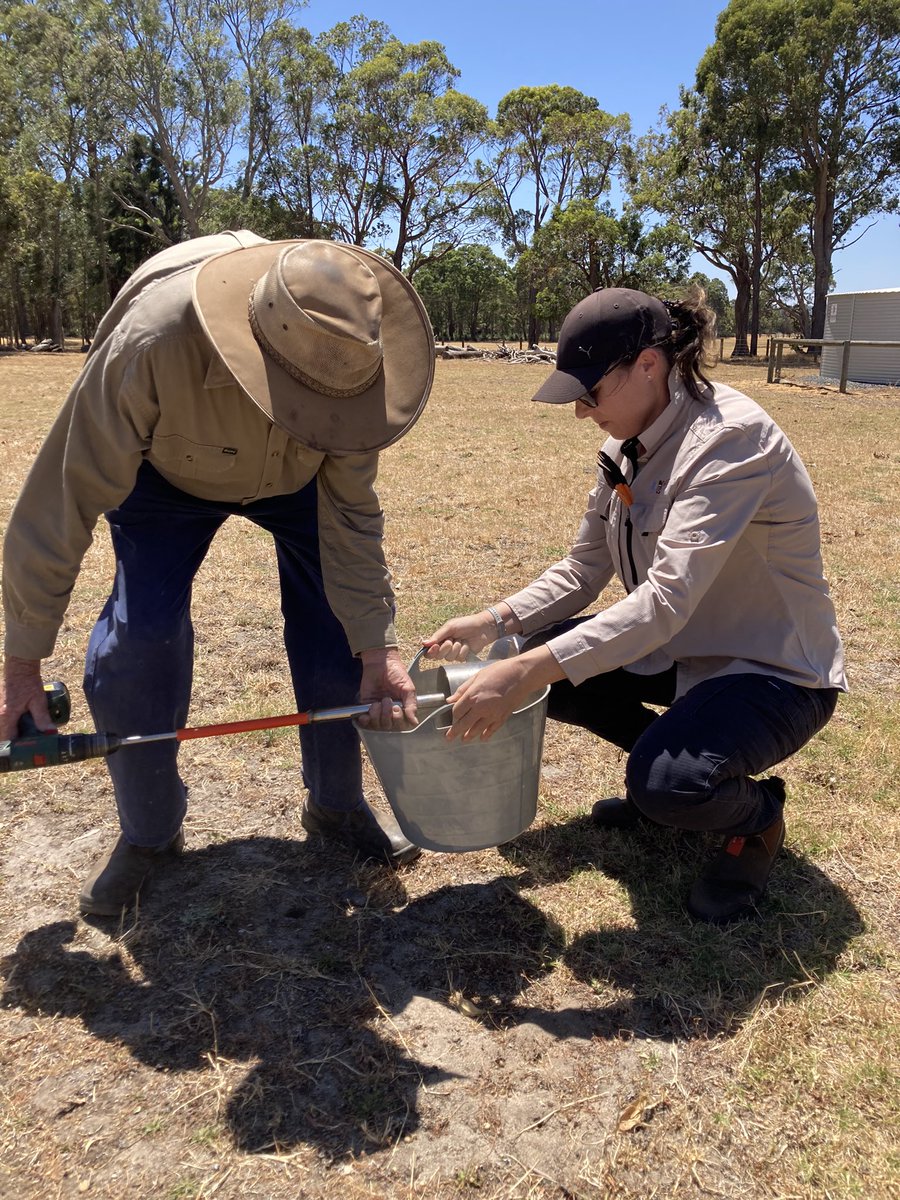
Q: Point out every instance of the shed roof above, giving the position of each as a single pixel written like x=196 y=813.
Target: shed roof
x=868 y=292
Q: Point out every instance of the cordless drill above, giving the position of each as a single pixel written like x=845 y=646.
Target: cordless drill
x=33 y=748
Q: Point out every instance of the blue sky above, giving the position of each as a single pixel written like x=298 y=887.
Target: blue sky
x=632 y=55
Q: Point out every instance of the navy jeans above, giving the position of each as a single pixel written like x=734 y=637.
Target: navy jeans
x=139 y=666
x=691 y=767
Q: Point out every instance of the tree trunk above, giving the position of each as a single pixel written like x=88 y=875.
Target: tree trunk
x=57 y=333
x=23 y=326
x=473 y=323
x=822 y=232
x=532 y=316
x=756 y=263
x=741 y=312
x=98 y=233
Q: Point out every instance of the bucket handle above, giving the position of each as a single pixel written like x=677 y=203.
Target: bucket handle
x=414 y=665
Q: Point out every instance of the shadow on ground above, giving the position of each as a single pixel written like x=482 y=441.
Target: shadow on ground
x=270 y=952
x=684 y=979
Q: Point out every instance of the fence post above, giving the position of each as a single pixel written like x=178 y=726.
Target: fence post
x=770 y=355
x=845 y=366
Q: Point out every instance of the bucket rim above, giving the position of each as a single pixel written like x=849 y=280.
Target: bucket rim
x=539 y=698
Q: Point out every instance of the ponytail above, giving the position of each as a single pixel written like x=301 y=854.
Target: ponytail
x=695 y=324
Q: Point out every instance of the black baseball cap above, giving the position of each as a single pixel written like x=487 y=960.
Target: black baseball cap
x=610 y=326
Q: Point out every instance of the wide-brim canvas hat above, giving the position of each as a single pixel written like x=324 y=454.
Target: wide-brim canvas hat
x=329 y=340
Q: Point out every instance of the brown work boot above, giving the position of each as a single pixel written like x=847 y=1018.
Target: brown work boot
x=733 y=883
x=371 y=834
x=616 y=812
x=116 y=878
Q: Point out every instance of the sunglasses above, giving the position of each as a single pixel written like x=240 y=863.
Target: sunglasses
x=589 y=400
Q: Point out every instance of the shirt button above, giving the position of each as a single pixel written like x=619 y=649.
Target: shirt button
x=189 y=457
x=274 y=453
x=268 y=485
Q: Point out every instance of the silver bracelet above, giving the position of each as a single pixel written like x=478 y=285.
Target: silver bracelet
x=498 y=621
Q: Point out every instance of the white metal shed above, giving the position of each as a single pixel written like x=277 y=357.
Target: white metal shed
x=866 y=316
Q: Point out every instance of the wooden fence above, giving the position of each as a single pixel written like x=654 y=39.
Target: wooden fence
x=776 y=353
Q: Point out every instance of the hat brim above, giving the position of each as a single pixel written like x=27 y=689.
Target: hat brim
x=375 y=418
x=563 y=387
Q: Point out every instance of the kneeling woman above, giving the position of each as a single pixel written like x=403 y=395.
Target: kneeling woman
x=706 y=514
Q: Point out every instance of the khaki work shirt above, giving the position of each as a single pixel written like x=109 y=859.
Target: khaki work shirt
x=153 y=388
x=719 y=554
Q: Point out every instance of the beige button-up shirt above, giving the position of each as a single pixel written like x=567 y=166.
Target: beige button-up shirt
x=153 y=388
x=719 y=554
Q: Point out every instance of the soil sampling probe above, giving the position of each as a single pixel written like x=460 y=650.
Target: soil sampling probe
x=34 y=749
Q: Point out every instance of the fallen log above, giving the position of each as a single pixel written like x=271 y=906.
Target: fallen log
x=453 y=352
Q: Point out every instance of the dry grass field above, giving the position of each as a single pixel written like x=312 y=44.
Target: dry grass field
x=533 y=1022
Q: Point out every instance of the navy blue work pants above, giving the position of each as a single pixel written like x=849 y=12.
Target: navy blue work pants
x=692 y=766
x=139 y=666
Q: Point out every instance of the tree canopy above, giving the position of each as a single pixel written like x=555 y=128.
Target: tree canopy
x=126 y=127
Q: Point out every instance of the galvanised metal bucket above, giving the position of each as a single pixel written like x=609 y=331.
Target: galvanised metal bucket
x=456 y=796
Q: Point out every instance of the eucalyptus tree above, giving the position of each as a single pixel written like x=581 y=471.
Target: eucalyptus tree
x=398 y=143
x=739 y=116
x=39 y=218
x=833 y=71
x=789 y=286
x=734 y=207
x=588 y=245
x=555 y=144
x=58 y=119
x=184 y=93
x=257 y=30
x=435 y=133
x=469 y=293
x=354 y=187
x=296 y=163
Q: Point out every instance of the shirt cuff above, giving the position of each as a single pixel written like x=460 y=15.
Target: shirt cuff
x=29 y=641
x=576 y=657
x=530 y=615
x=371 y=634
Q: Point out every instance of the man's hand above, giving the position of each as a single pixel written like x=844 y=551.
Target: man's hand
x=386 y=682
x=22 y=691
x=491 y=695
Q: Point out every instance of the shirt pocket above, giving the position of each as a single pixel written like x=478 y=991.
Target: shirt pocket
x=192 y=460
x=648 y=520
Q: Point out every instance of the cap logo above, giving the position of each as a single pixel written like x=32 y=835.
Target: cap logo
x=588 y=352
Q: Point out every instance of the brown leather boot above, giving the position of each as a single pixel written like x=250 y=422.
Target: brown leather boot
x=733 y=883
x=371 y=834
x=116 y=877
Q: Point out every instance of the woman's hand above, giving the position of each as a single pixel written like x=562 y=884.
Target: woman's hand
x=491 y=695
x=462 y=637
